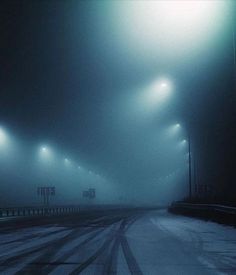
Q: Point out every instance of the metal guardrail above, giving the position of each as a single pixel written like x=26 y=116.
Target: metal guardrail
x=62 y=210
x=216 y=212
x=37 y=211
x=214 y=207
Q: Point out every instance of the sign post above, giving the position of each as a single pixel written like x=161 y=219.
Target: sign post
x=46 y=193
x=90 y=194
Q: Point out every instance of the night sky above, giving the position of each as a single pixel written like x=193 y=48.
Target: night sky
x=68 y=76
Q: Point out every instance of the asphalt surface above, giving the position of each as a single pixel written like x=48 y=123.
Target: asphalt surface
x=117 y=242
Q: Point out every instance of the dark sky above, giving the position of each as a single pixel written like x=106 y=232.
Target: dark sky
x=64 y=79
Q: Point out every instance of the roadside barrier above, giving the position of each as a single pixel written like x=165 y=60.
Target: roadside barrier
x=38 y=211
x=214 y=212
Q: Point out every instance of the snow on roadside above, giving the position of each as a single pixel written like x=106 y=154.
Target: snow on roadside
x=217 y=242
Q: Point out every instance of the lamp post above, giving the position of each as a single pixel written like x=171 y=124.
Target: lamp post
x=189 y=167
x=189 y=163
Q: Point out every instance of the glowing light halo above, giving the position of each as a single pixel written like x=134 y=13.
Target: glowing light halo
x=158 y=92
x=3 y=137
x=172 y=130
x=170 y=26
x=66 y=160
x=45 y=153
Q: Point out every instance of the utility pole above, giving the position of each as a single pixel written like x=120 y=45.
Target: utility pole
x=189 y=168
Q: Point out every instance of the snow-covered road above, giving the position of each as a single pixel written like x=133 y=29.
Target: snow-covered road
x=120 y=242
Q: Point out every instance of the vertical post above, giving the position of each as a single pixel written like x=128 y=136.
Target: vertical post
x=47 y=198
x=233 y=37
x=189 y=167
x=195 y=175
x=44 y=198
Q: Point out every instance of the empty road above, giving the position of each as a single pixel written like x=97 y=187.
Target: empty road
x=117 y=242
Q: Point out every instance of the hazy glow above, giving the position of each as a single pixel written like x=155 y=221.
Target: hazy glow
x=182 y=16
x=173 y=130
x=45 y=153
x=42 y=168
x=3 y=137
x=163 y=85
x=158 y=92
x=170 y=25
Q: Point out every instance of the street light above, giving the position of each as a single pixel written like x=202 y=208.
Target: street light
x=160 y=90
x=189 y=165
x=163 y=85
x=45 y=153
x=157 y=93
x=3 y=137
x=183 y=141
x=66 y=161
x=176 y=28
x=7 y=145
x=172 y=130
x=44 y=150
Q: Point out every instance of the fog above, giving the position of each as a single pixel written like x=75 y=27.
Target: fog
x=25 y=166
x=110 y=94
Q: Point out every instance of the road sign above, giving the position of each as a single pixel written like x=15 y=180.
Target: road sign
x=46 y=192
x=91 y=193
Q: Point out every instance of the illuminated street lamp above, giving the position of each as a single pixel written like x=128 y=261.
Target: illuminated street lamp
x=161 y=89
x=44 y=150
x=189 y=165
x=157 y=93
x=153 y=24
x=66 y=161
x=45 y=153
x=163 y=85
x=184 y=141
x=3 y=137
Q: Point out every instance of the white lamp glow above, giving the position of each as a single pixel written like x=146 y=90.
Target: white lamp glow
x=170 y=26
x=45 y=153
x=3 y=137
x=158 y=91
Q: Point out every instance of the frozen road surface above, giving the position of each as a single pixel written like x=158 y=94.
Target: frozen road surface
x=117 y=242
